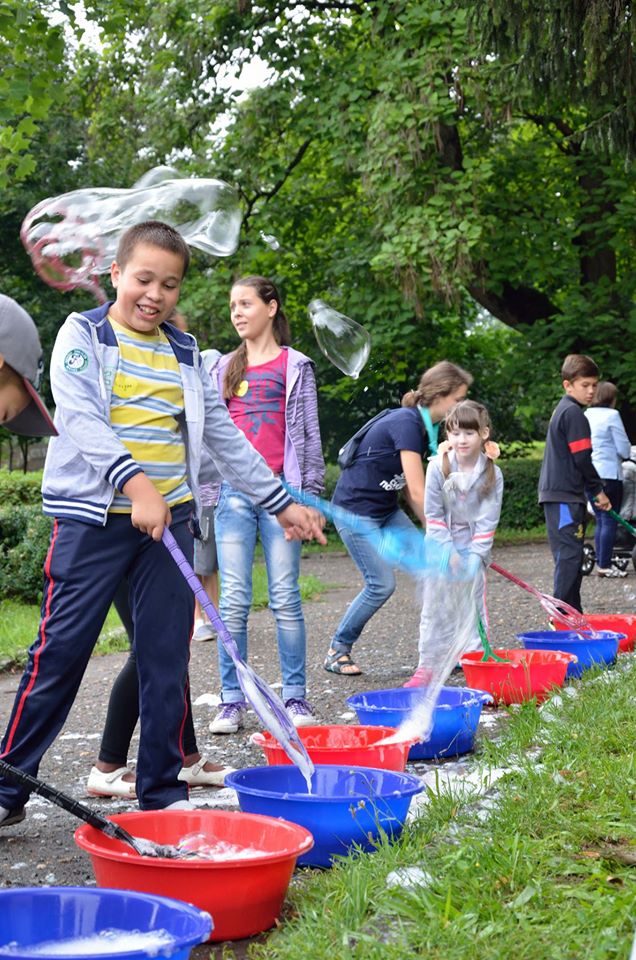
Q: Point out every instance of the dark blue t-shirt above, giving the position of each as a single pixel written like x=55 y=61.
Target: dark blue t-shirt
x=370 y=485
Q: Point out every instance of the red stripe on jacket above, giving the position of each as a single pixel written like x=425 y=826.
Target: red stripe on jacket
x=36 y=656
x=577 y=445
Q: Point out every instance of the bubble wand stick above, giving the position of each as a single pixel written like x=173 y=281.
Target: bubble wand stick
x=556 y=609
x=266 y=704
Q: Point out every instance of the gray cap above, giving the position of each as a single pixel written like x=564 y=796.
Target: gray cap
x=20 y=347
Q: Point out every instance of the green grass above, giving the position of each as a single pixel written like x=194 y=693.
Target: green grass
x=19 y=622
x=509 y=535
x=542 y=869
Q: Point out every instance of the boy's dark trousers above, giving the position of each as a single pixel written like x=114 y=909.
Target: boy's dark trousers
x=566 y=530
x=83 y=568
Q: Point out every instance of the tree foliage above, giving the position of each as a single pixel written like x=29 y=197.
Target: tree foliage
x=31 y=58
x=419 y=163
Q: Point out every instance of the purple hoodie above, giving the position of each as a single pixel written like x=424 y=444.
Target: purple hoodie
x=303 y=464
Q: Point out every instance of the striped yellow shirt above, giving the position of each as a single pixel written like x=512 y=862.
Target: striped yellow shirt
x=146 y=400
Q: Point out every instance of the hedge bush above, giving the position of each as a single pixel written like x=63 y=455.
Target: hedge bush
x=17 y=488
x=520 y=509
x=25 y=531
x=24 y=540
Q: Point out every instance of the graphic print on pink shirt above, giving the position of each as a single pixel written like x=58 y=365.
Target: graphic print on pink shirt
x=258 y=409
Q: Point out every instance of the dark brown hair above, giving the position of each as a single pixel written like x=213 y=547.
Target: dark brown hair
x=265 y=291
x=605 y=394
x=438 y=381
x=156 y=234
x=578 y=365
x=470 y=415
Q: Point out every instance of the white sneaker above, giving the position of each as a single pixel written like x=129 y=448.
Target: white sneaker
x=203 y=630
x=611 y=572
x=230 y=717
x=180 y=805
x=300 y=712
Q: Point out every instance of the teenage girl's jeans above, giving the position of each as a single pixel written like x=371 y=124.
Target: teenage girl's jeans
x=379 y=581
x=605 y=533
x=237 y=524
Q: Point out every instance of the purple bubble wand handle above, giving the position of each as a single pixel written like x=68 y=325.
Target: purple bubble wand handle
x=195 y=585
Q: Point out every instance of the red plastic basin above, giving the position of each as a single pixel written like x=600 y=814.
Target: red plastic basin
x=616 y=622
x=528 y=674
x=342 y=744
x=243 y=896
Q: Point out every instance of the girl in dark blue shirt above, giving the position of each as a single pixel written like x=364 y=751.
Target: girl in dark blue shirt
x=389 y=459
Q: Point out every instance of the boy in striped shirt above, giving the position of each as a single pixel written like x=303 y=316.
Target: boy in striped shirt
x=140 y=427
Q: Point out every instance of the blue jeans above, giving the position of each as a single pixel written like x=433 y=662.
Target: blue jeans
x=379 y=581
x=237 y=524
x=605 y=533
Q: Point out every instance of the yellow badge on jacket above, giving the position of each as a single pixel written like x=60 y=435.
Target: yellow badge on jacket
x=242 y=388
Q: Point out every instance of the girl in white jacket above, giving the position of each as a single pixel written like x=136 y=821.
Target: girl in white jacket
x=462 y=505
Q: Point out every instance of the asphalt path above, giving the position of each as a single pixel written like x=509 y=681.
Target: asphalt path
x=41 y=850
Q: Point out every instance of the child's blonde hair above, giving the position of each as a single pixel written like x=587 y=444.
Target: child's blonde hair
x=470 y=415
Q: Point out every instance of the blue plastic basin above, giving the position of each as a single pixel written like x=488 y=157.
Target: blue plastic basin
x=455 y=717
x=347 y=805
x=36 y=915
x=592 y=650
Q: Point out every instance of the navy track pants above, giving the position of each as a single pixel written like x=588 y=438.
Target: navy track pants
x=83 y=568
x=566 y=530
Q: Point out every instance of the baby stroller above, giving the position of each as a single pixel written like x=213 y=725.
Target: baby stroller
x=625 y=544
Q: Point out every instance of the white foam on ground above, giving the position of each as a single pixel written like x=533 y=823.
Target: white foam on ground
x=409 y=878
x=79 y=736
x=207 y=700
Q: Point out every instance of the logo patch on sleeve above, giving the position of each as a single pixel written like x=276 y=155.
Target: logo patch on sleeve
x=76 y=361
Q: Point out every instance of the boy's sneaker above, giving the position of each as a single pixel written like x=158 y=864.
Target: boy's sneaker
x=9 y=817
x=203 y=630
x=420 y=678
x=610 y=572
x=300 y=712
x=180 y=805
x=230 y=718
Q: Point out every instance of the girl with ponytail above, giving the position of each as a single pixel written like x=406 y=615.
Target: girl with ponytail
x=386 y=458
x=270 y=391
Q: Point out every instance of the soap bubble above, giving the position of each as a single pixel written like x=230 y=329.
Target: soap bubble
x=73 y=238
x=270 y=240
x=343 y=341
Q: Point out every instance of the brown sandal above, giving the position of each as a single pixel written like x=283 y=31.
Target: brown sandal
x=336 y=660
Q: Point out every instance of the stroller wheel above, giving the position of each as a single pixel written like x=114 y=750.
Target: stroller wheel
x=589 y=558
x=620 y=563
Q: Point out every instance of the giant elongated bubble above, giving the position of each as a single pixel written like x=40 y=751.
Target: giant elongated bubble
x=343 y=341
x=73 y=238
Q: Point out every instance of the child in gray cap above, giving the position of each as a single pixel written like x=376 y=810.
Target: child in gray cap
x=21 y=408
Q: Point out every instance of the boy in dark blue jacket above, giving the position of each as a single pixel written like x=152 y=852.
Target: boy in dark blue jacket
x=566 y=473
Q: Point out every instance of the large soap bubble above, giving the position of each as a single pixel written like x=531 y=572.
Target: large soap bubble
x=71 y=239
x=342 y=340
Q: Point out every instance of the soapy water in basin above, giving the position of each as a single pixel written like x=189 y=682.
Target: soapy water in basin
x=199 y=846
x=152 y=942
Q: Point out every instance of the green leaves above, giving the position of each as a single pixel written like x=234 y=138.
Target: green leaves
x=31 y=51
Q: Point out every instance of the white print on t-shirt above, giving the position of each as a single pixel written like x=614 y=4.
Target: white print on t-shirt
x=397 y=483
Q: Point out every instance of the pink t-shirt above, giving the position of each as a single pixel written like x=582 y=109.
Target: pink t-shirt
x=258 y=409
